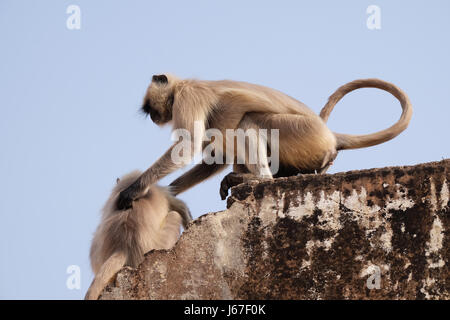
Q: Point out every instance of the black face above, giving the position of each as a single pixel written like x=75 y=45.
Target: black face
x=157 y=116
x=154 y=114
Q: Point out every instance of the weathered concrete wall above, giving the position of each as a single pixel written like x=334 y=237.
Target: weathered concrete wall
x=338 y=236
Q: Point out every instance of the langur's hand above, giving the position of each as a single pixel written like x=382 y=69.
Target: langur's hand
x=127 y=196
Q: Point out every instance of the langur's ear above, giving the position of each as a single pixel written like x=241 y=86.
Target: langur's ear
x=117 y=180
x=160 y=79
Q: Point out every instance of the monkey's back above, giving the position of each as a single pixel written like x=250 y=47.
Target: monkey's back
x=133 y=231
x=277 y=101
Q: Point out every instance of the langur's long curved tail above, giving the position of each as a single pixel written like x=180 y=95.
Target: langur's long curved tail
x=104 y=275
x=347 y=141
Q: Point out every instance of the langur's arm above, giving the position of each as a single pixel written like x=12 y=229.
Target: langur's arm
x=161 y=168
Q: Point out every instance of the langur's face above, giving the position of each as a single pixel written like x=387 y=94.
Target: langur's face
x=158 y=100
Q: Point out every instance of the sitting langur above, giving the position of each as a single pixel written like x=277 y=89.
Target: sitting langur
x=305 y=145
x=124 y=236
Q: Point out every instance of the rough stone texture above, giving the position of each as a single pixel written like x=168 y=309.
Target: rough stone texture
x=311 y=237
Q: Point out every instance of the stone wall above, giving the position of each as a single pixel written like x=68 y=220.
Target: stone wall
x=370 y=234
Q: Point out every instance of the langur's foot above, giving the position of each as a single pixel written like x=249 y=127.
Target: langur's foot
x=233 y=179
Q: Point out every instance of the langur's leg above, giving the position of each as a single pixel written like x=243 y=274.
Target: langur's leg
x=254 y=155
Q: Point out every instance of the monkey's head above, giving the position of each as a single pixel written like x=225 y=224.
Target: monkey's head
x=158 y=100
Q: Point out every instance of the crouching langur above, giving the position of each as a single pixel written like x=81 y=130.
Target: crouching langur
x=123 y=237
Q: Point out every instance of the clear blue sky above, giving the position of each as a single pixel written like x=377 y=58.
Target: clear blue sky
x=69 y=123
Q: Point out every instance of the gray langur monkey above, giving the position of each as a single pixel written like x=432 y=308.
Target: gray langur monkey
x=124 y=236
x=306 y=144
